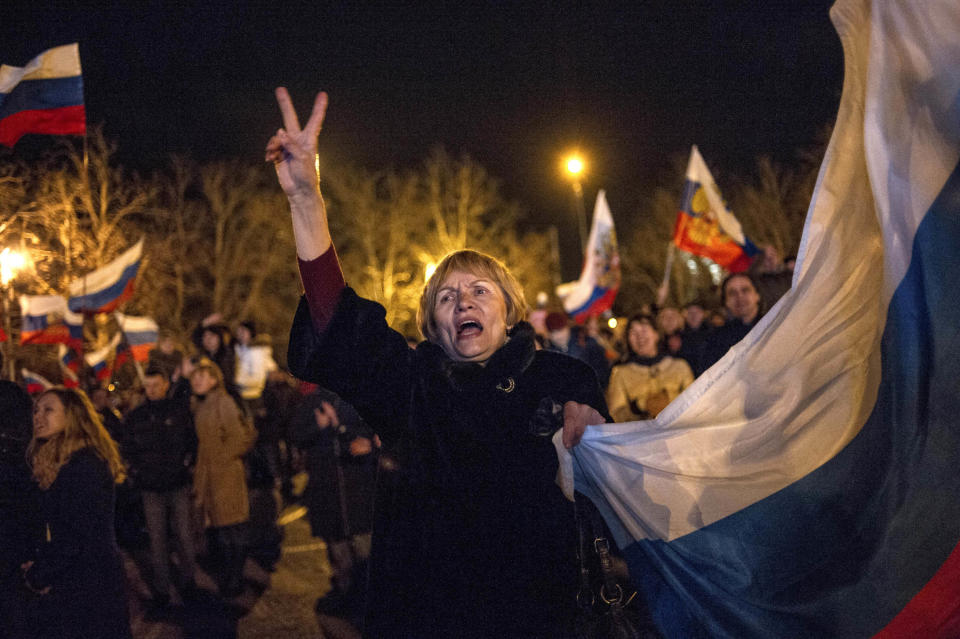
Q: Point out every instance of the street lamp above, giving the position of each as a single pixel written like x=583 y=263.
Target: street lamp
x=574 y=166
x=10 y=263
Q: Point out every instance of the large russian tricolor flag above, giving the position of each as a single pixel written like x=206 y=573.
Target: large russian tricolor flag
x=140 y=334
x=807 y=485
x=705 y=226
x=47 y=320
x=102 y=290
x=599 y=281
x=45 y=96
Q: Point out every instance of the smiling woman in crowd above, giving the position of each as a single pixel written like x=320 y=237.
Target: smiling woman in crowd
x=487 y=544
x=77 y=571
x=646 y=379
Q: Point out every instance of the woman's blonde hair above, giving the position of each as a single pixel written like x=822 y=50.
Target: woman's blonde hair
x=480 y=264
x=83 y=428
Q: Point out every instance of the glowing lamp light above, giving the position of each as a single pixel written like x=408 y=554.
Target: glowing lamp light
x=430 y=269
x=10 y=263
x=612 y=322
x=574 y=165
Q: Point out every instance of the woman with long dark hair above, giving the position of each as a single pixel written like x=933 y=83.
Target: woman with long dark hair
x=77 y=571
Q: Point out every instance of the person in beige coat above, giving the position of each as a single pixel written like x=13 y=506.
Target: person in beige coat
x=646 y=379
x=224 y=436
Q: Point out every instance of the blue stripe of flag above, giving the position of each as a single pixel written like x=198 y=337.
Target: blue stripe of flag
x=34 y=323
x=50 y=93
x=686 y=200
x=96 y=299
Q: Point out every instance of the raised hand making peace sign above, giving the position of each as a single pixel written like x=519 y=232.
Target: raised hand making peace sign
x=293 y=152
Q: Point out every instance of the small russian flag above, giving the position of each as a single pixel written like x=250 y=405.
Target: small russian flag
x=47 y=320
x=35 y=382
x=140 y=333
x=102 y=290
x=99 y=360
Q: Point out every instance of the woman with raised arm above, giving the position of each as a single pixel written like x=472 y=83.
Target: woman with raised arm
x=487 y=545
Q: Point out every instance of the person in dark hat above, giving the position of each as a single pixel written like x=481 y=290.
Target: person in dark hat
x=214 y=341
x=575 y=342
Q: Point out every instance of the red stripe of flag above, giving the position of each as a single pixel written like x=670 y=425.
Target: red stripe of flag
x=934 y=612
x=69 y=120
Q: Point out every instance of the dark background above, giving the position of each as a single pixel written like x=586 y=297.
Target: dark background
x=514 y=85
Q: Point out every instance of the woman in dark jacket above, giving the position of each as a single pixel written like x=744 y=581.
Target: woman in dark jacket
x=487 y=547
x=77 y=570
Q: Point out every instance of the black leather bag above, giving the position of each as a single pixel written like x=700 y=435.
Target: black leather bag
x=608 y=606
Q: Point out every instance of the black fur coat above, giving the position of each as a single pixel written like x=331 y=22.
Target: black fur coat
x=481 y=542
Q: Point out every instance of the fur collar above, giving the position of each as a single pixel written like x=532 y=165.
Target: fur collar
x=507 y=364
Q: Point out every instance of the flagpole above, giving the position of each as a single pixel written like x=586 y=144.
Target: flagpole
x=7 y=304
x=664 y=290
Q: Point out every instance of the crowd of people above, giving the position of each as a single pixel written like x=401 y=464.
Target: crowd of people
x=660 y=351
x=441 y=447
x=187 y=475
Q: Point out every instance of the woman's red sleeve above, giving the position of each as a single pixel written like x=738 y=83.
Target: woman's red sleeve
x=322 y=284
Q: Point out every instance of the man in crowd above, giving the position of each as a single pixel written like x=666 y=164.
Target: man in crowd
x=742 y=301
x=575 y=342
x=19 y=508
x=166 y=355
x=670 y=324
x=771 y=276
x=342 y=468
x=160 y=446
x=695 y=335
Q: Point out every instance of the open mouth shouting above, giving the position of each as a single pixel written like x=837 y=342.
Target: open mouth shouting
x=470 y=317
x=469 y=328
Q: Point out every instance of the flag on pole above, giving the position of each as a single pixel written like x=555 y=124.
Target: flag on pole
x=140 y=334
x=599 y=281
x=806 y=485
x=35 y=382
x=70 y=358
x=70 y=362
x=102 y=290
x=45 y=96
x=100 y=359
x=47 y=320
x=705 y=226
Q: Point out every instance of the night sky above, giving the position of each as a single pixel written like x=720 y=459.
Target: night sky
x=513 y=84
